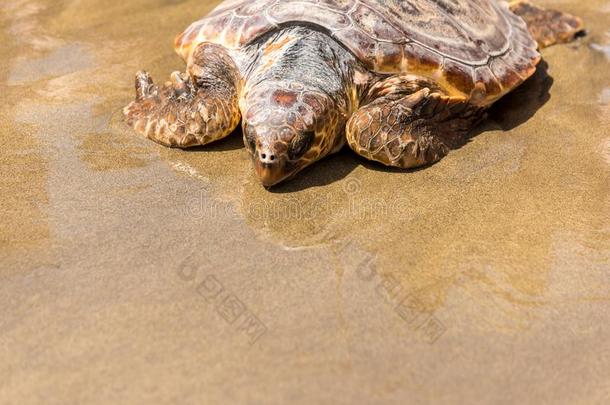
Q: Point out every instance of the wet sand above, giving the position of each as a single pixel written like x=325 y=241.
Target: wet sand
x=133 y=273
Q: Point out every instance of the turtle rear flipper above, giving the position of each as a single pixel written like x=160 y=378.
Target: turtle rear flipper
x=548 y=27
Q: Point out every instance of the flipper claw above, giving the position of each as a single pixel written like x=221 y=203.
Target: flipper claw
x=144 y=84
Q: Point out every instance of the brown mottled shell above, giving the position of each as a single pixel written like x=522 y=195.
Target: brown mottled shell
x=474 y=48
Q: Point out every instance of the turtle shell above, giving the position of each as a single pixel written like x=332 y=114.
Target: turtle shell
x=477 y=49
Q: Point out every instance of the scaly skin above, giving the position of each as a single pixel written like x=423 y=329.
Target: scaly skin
x=296 y=101
x=195 y=108
x=411 y=122
x=287 y=128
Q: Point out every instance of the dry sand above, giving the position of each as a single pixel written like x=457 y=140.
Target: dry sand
x=131 y=273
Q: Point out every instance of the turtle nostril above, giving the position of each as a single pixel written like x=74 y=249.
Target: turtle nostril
x=267 y=157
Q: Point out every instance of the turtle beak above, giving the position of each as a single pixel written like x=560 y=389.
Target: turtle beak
x=270 y=167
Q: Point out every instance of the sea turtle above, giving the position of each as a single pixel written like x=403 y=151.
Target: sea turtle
x=401 y=81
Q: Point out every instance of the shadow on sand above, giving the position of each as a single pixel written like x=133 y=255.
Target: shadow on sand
x=327 y=171
x=520 y=105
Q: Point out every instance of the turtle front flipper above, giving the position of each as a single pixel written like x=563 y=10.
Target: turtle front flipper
x=410 y=122
x=194 y=108
x=548 y=27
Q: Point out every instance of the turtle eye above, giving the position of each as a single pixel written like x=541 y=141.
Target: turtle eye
x=250 y=137
x=300 y=144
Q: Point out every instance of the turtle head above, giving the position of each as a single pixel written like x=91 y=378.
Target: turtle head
x=287 y=127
